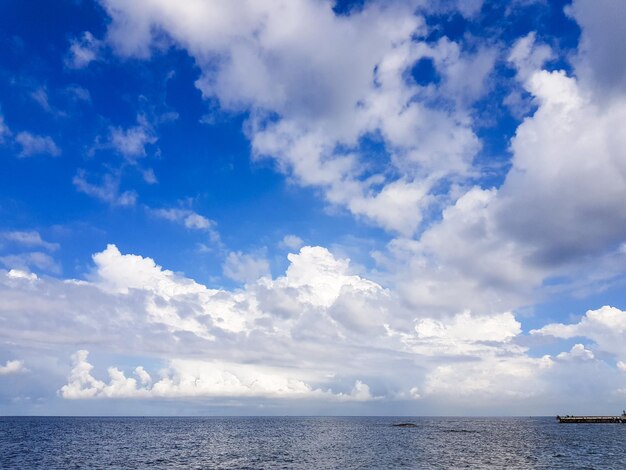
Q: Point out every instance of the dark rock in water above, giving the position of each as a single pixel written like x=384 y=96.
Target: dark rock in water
x=405 y=425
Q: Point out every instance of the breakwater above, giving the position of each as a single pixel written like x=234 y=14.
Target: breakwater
x=592 y=419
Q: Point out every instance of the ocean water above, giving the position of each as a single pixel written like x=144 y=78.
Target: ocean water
x=308 y=442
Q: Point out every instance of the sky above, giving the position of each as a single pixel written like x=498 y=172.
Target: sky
x=312 y=207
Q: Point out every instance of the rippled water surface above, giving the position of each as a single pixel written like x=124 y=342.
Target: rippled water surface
x=309 y=442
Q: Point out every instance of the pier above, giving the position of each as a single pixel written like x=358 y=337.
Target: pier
x=593 y=419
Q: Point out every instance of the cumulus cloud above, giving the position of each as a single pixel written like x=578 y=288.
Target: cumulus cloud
x=235 y=327
x=517 y=230
x=318 y=277
x=605 y=326
x=571 y=200
x=194 y=378
x=119 y=273
x=456 y=278
x=559 y=206
x=35 y=145
x=462 y=262
x=493 y=378
x=602 y=27
x=12 y=367
x=360 y=392
x=465 y=327
x=355 y=70
x=577 y=353
x=309 y=333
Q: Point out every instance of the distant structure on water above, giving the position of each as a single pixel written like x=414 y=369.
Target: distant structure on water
x=593 y=419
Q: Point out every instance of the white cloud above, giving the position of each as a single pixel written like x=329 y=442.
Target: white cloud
x=78 y=93
x=307 y=334
x=130 y=297
x=187 y=217
x=35 y=145
x=560 y=212
x=563 y=195
x=131 y=142
x=251 y=57
x=498 y=379
x=528 y=57
x=461 y=263
x=318 y=277
x=462 y=335
x=577 y=353
x=4 y=130
x=40 y=96
x=108 y=191
x=605 y=326
x=192 y=221
x=28 y=238
x=37 y=259
x=118 y=273
x=291 y=242
x=175 y=301
x=390 y=206
x=560 y=207
x=149 y=176
x=245 y=267
x=361 y=90
x=195 y=378
x=360 y=392
x=465 y=327
x=20 y=274
x=464 y=75
x=12 y=367
x=83 y=51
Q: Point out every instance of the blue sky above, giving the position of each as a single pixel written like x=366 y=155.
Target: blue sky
x=312 y=207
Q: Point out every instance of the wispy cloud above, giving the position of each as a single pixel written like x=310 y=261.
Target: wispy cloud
x=29 y=238
x=26 y=261
x=187 y=217
x=131 y=142
x=5 y=132
x=83 y=51
x=107 y=191
x=35 y=145
x=192 y=221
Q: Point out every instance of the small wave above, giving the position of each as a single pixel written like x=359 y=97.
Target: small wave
x=460 y=430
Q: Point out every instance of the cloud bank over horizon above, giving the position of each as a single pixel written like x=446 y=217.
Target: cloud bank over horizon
x=405 y=207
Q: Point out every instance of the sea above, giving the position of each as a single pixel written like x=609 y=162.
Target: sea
x=308 y=443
